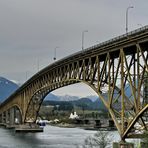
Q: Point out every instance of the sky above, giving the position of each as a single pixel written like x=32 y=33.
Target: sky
x=30 y=30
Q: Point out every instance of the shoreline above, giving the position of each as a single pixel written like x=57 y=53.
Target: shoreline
x=85 y=127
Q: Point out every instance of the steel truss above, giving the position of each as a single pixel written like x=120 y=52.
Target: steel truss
x=116 y=70
x=117 y=77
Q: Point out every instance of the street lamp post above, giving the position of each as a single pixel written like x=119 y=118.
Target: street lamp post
x=83 y=38
x=140 y=25
x=38 y=65
x=27 y=75
x=127 y=17
x=55 y=52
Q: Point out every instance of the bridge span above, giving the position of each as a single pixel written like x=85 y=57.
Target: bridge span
x=117 y=70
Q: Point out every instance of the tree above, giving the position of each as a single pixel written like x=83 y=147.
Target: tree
x=144 y=142
x=100 y=140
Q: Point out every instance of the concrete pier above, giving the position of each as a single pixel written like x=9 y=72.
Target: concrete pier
x=28 y=128
x=123 y=145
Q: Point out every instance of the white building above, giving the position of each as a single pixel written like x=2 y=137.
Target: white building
x=73 y=116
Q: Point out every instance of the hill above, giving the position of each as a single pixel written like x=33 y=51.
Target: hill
x=84 y=103
x=7 y=87
x=52 y=97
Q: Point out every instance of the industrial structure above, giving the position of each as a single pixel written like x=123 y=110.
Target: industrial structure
x=116 y=70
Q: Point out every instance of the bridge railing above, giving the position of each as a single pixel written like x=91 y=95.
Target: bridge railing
x=118 y=38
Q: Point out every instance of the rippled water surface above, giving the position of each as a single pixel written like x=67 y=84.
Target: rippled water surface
x=52 y=137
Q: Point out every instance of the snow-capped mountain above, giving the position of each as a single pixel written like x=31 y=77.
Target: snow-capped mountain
x=7 y=87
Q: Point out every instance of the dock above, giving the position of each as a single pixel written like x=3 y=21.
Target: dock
x=29 y=128
x=24 y=127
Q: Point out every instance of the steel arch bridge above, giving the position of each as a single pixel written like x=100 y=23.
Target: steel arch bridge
x=110 y=69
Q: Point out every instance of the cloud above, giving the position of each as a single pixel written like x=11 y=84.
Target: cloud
x=31 y=29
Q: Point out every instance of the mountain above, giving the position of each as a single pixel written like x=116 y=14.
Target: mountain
x=93 y=98
x=89 y=104
x=98 y=104
x=68 y=98
x=84 y=103
x=52 y=97
x=7 y=87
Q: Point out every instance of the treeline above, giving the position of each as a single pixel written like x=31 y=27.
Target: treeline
x=83 y=103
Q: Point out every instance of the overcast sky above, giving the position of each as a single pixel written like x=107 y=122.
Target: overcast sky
x=31 y=29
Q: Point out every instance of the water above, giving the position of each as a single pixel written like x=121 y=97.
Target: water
x=52 y=137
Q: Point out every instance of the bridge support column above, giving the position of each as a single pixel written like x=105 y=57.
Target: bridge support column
x=111 y=123
x=98 y=123
x=12 y=116
x=8 y=117
x=4 y=117
x=17 y=116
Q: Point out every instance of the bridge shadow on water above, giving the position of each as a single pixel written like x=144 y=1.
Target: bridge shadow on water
x=11 y=139
x=52 y=137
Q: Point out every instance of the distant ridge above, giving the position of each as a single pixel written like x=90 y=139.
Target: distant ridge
x=7 y=87
x=53 y=97
x=84 y=103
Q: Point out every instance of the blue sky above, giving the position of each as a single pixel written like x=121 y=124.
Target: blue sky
x=31 y=29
